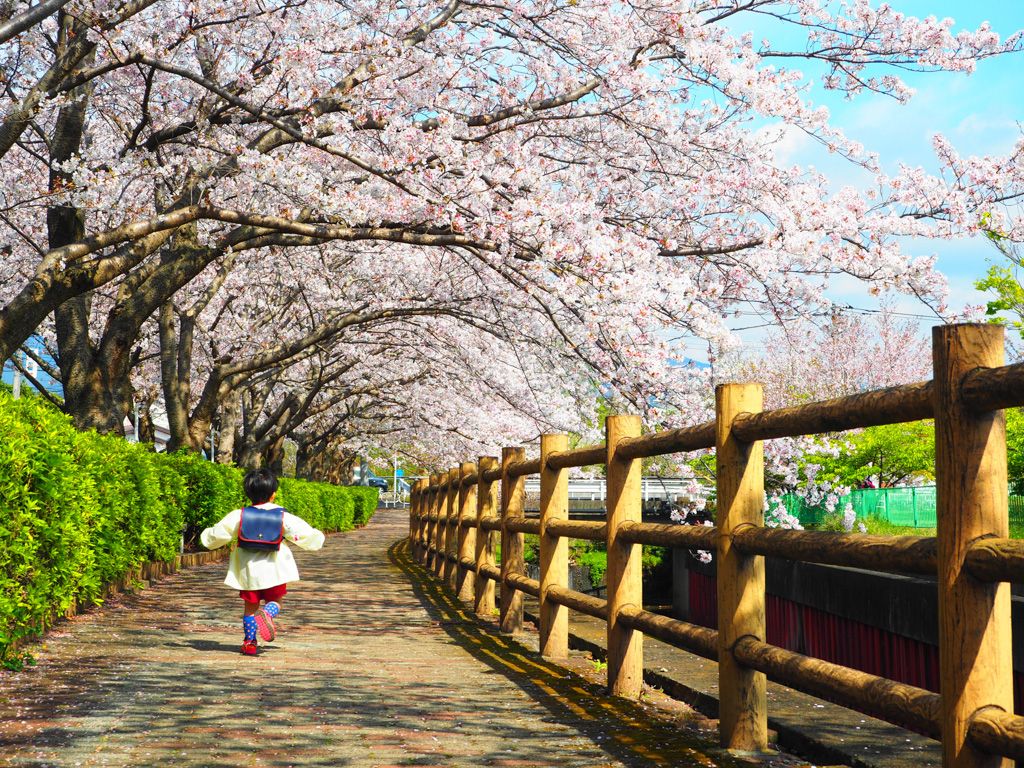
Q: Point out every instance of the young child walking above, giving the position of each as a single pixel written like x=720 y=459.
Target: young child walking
x=261 y=564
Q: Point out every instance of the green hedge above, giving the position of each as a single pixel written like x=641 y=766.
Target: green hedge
x=79 y=510
x=210 y=491
x=366 y=500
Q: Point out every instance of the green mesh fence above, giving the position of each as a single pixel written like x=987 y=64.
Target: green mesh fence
x=1017 y=511
x=912 y=507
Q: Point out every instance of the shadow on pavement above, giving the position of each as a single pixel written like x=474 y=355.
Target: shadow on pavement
x=625 y=729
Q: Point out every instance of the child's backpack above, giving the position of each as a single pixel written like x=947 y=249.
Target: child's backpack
x=261 y=528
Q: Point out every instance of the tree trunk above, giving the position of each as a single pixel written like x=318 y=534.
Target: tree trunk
x=318 y=461
x=275 y=456
x=96 y=388
x=94 y=401
x=303 y=455
x=247 y=457
x=147 y=429
x=229 y=424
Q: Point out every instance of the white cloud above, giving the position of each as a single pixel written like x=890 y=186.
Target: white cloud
x=790 y=145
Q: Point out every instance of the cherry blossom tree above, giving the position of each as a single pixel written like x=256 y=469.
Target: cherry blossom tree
x=808 y=361
x=839 y=355
x=533 y=199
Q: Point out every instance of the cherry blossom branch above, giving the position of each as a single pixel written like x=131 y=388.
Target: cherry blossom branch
x=29 y=18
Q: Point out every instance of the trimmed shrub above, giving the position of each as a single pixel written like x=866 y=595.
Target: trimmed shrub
x=79 y=510
x=300 y=499
x=326 y=506
x=365 y=500
x=45 y=553
x=210 y=491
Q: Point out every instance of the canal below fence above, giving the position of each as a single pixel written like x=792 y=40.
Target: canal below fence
x=884 y=624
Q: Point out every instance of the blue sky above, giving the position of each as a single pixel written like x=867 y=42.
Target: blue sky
x=980 y=113
x=7 y=374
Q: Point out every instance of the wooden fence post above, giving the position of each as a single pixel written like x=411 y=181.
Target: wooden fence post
x=466 y=537
x=624 y=575
x=554 y=550
x=424 y=532
x=975 y=651
x=425 y=523
x=422 y=510
x=743 y=711
x=512 y=494
x=414 y=520
x=428 y=527
x=451 y=544
x=486 y=506
x=425 y=540
x=439 y=530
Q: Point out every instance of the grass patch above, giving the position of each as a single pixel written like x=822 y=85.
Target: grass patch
x=593 y=555
x=881 y=527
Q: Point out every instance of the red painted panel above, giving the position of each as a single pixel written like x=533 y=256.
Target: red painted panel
x=832 y=638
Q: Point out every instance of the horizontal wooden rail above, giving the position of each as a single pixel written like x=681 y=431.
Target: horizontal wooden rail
x=523 y=584
x=669 y=441
x=668 y=535
x=580 y=457
x=592 y=530
x=490 y=523
x=998 y=732
x=996 y=560
x=525 y=467
x=491 y=572
x=468 y=563
x=471 y=479
x=492 y=475
x=894 y=405
x=898 y=703
x=679 y=634
x=904 y=554
x=578 y=601
x=523 y=525
x=991 y=389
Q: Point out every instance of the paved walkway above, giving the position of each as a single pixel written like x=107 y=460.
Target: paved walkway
x=368 y=670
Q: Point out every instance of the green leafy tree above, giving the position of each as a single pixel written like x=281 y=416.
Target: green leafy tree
x=1015 y=449
x=894 y=454
x=1004 y=282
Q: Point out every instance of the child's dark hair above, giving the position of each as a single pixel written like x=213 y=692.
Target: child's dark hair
x=259 y=485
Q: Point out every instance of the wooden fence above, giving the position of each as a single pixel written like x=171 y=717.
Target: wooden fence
x=455 y=515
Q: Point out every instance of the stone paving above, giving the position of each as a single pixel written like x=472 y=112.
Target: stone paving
x=370 y=668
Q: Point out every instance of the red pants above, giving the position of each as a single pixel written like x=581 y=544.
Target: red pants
x=268 y=594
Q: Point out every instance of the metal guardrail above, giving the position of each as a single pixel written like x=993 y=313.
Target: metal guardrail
x=392 y=500
x=596 y=489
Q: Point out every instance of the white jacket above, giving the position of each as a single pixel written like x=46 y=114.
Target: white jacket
x=261 y=569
